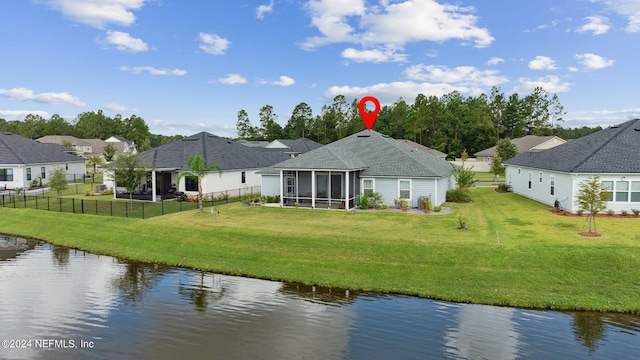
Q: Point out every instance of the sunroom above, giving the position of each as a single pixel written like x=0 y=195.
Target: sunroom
x=335 y=189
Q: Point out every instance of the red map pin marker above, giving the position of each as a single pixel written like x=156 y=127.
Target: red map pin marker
x=369 y=117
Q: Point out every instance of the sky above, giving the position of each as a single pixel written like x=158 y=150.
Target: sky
x=187 y=66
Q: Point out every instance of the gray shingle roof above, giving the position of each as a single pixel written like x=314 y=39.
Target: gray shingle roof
x=375 y=154
x=523 y=144
x=15 y=149
x=612 y=150
x=229 y=154
x=301 y=145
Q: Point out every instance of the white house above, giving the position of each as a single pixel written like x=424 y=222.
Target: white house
x=555 y=174
x=24 y=160
x=335 y=174
x=238 y=162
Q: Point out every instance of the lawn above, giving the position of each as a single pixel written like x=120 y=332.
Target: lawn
x=514 y=252
x=487 y=176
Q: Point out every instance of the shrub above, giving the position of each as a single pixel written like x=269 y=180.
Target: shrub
x=458 y=195
x=579 y=212
x=504 y=187
x=437 y=208
x=610 y=212
x=89 y=192
x=384 y=207
x=375 y=200
x=398 y=202
x=635 y=212
x=624 y=213
x=363 y=202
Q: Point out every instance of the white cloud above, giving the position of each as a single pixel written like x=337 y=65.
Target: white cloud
x=21 y=114
x=391 y=25
x=213 y=44
x=264 y=9
x=233 y=79
x=283 y=81
x=154 y=71
x=542 y=63
x=115 y=107
x=98 y=13
x=596 y=24
x=46 y=98
x=551 y=83
x=388 y=93
x=628 y=8
x=467 y=76
x=124 y=42
x=375 y=56
x=602 y=118
x=495 y=61
x=593 y=61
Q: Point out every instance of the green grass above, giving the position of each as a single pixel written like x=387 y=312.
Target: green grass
x=514 y=252
x=486 y=176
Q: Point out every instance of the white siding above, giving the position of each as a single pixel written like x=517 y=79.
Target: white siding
x=270 y=185
x=389 y=188
x=566 y=187
x=229 y=180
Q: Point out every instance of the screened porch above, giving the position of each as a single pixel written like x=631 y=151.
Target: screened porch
x=319 y=189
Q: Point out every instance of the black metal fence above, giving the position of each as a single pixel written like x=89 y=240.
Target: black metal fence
x=134 y=209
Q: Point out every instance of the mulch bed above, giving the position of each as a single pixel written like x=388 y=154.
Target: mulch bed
x=501 y=191
x=616 y=216
x=589 y=234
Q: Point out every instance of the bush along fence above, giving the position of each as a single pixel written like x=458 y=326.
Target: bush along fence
x=134 y=209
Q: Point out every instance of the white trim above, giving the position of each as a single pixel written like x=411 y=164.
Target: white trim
x=410 y=189
x=373 y=184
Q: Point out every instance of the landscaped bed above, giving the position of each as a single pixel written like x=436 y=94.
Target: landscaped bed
x=514 y=252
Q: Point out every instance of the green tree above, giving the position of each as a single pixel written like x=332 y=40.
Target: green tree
x=198 y=167
x=299 y=122
x=58 y=180
x=109 y=152
x=269 y=128
x=56 y=125
x=505 y=149
x=592 y=199
x=94 y=161
x=136 y=130
x=244 y=128
x=67 y=143
x=128 y=171
x=497 y=168
x=464 y=177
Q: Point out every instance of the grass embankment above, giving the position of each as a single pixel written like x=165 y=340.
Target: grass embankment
x=514 y=252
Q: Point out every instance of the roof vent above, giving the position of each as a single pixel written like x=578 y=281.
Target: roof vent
x=636 y=129
x=364 y=135
x=614 y=126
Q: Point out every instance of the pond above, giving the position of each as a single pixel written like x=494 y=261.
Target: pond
x=60 y=303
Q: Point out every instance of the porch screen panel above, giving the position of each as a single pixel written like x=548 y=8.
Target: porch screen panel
x=336 y=186
x=322 y=185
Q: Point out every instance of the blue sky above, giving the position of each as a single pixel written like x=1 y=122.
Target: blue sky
x=187 y=66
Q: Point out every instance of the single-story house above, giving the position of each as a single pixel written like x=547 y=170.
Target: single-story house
x=427 y=149
x=88 y=147
x=24 y=160
x=555 y=174
x=335 y=174
x=529 y=143
x=239 y=164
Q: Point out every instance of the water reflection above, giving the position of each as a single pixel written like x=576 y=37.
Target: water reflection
x=135 y=310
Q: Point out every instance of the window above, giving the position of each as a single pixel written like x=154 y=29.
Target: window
x=519 y=171
x=244 y=177
x=552 y=185
x=529 y=180
x=540 y=176
x=6 y=174
x=607 y=186
x=43 y=172
x=66 y=167
x=28 y=174
x=191 y=183
x=635 y=191
x=622 y=191
x=404 y=189
x=367 y=186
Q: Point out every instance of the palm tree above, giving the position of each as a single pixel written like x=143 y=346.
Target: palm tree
x=95 y=161
x=197 y=167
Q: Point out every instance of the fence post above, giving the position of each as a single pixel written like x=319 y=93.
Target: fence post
x=81 y=206
x=48 y=207
x=73 y=205
x=76 y=189
x=37 y=202
x=111 y=208
x=162 y=203
x=126 y=210
x=24 y=197
x=226 y=192
x=60 y=203
x=96 y=207
x=143 y=211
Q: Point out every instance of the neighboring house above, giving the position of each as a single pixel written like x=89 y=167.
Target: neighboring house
x=292 y=147
x=555 y=174
x=529 y=143
x=239 y=164
x=335 y=174
x=88 y=147
x=24 y=160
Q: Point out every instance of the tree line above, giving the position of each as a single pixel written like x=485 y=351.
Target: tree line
x=89 y=125
x=450 y=123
